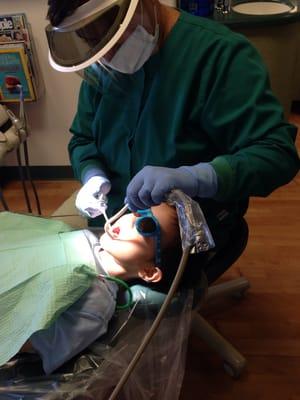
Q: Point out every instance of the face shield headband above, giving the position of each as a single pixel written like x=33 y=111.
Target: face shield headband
x=88 y=34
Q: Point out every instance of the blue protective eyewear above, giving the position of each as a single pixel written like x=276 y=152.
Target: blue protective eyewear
x=147 y=225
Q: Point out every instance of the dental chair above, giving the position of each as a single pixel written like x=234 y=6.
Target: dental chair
x=217 y=263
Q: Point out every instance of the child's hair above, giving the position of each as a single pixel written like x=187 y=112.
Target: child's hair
x=170 y=258
x=192 y=274
x=170 y=250
x=58 y=10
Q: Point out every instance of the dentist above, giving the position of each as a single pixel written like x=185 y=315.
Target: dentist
x=168 y=100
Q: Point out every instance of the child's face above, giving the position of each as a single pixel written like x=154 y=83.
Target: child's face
x=132 y=250
x=127 y=246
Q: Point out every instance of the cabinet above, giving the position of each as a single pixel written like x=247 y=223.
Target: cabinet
x=279 y=47
x=296 y=90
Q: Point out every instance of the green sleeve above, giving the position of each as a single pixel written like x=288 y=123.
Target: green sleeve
x=82 y=147
x=245 y=122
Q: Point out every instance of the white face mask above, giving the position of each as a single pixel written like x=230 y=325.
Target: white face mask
x=135 y=51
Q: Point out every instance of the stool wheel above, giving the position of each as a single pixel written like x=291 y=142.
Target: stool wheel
x=240 y=294
x=234 y=372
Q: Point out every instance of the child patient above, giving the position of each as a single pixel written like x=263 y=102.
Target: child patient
x=74 y=302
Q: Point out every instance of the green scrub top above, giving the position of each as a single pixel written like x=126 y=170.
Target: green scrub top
x=204 y=97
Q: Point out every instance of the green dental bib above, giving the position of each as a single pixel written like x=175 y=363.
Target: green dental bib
x=44 y=268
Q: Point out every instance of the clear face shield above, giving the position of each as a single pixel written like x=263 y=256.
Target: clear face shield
x=91 y=41
x=88 y=34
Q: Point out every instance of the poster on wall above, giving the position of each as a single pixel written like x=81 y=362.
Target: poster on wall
x=15 y=73
x=17 y=64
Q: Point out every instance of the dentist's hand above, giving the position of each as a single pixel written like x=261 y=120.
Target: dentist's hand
x=150 y=186
x=87 y=200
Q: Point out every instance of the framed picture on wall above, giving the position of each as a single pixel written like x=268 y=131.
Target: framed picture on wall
x=15 y=73
x=16 y=35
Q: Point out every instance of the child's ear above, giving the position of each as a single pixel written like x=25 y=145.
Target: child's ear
x=150 y=274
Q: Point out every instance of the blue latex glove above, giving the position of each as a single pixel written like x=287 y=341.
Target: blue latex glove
x=150 y=186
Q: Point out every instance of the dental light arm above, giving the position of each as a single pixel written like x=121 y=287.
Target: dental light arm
x=10 y=137
x=20 y=122
x=13 y=133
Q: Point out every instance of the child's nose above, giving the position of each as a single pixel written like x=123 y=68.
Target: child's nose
x=116 y=230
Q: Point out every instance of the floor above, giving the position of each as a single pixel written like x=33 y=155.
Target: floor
x=265 y=325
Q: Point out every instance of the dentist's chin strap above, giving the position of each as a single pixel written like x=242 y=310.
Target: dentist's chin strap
x=107 y=226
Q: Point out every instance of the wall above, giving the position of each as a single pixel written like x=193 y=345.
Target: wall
x=51 y=116
x=296 y=92
x=171 y=3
